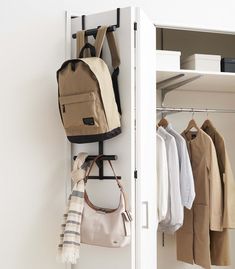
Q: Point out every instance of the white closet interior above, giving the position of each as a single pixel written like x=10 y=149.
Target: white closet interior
x=210 y=90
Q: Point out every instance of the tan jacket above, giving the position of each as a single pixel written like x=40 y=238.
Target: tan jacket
x=226 y=175
x=193 y=240
x=219 y=241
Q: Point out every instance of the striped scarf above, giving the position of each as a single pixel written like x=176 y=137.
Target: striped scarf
x=68 y=250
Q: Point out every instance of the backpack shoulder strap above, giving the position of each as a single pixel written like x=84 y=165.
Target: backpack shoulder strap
x=115 y=63
x=81 y=41
x=102 y=32
x=99 y=41
x=113 y=50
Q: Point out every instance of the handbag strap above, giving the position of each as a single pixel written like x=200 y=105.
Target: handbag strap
x=118 y=182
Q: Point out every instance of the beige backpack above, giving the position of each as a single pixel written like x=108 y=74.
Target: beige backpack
x=88 y=96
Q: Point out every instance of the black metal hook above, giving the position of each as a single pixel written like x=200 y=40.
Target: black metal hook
x=83 y=22
x=99 y=162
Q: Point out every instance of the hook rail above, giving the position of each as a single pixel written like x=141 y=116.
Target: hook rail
x=100 y=161
x=93 y=32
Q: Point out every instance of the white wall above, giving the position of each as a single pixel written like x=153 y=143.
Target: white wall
x=33 y=149
x=214 y=14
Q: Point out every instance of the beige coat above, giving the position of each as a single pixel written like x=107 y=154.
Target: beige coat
x=193 y=239
x=220 y=240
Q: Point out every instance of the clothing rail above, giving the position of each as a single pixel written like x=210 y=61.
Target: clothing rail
x=194 y=110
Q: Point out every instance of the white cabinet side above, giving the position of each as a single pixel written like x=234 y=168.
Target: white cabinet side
x=146 y=142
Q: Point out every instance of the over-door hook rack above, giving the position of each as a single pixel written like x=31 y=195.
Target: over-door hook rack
x=93 y=32
x=99 y=163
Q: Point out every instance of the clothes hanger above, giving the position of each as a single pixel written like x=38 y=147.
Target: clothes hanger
x=163 y=122
x=192 y=124
x=207 y=123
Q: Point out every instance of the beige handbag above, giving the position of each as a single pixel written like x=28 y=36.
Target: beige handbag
x=106 y=227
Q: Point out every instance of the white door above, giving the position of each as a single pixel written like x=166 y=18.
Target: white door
x=146 y=142
x=135 y=147
x=105 y=193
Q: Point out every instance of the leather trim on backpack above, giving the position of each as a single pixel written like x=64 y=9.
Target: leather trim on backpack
x=94 y=138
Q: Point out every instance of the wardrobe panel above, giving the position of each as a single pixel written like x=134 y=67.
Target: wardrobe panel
x=190 y=96
x=146 y=142
x=106 y=193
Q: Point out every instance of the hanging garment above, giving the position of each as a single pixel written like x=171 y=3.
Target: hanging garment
x=69 y=247
x=219 y=241
x=193 y=241
x=185 y=169
x=162 y=179
x=226 y=175
x=219 y=247
x=174 y=216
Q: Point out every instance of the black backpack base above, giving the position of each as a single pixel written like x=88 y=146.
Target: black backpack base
x=94 y=138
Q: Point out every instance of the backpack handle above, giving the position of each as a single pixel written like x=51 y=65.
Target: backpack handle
x=88 y=46
x=101 y=33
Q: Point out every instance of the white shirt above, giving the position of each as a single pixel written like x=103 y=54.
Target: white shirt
x=162 y=179
x=186 y=175
x=174 y=217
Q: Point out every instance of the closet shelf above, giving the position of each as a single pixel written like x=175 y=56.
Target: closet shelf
x=192 y=80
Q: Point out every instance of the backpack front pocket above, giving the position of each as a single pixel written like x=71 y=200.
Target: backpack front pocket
x=79 y=112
